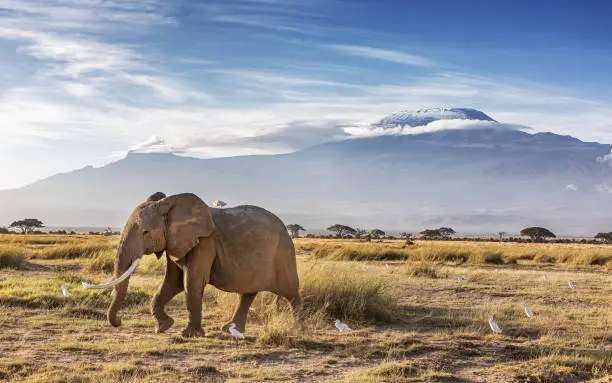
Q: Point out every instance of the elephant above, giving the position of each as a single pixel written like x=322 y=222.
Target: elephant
x=245 y=249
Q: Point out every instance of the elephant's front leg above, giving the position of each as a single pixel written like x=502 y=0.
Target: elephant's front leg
x=196 y=269
x=172 y=285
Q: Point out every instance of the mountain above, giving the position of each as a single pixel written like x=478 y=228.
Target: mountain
x=422 y=117
x=483 y=177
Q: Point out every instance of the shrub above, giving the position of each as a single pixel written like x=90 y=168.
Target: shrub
x=279 y=330
x=11 y=257
x=340 y=292
x=495 y=258
x=421 y=269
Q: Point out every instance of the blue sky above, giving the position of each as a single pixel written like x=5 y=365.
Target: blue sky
x=81 y=82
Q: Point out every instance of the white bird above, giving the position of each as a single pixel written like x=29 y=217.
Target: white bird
x=65 y=291
x=218 y=203
x=545 y=277
x=387 y=265
x=3 y=278
x=529 y=313
x=494 y=325
x=363 y=268
x=235 y=333
x=342 y=327
x=461 y=278
x=571 y=284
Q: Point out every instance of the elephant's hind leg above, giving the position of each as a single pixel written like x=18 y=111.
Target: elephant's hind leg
x=172 y=285
x=240 y=316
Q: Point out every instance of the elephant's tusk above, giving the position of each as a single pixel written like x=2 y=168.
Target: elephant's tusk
x=116 y=281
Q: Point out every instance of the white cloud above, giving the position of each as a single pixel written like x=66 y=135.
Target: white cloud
x=434 y=126
x=603 y=188
x=607 y=159
x=571 y=187
x=155 y=144
x=383 y=54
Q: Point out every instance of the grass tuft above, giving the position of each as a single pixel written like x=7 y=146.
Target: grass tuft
x=341 y=291
x=11 y=257
x=421 y=269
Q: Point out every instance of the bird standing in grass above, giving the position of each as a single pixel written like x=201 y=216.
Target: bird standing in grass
x=3 y=278
x=529 y=313
x=545 y=277
x=494 y=325
x=571 y=284
x=235 y=333
x=65 y=291
x=342 y=327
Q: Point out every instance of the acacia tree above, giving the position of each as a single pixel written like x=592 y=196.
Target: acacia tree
x=446 y=232
x=377 y=233
x=431 y=233
x=295 y=229
x=537 y=234
x=27 y=225
x=606 y=237
x=342 y=230
x=406 y=235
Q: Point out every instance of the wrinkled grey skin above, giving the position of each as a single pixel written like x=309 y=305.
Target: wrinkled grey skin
x=245 y=250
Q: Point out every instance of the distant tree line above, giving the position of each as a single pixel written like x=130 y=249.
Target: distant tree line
x=32 y=226
x=533 y=233
x=528 y=234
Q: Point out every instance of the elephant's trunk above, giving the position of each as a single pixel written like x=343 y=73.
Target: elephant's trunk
x=120 y=293
x=122 y=263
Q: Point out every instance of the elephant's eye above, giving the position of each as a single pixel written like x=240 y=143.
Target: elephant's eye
x=146 y=232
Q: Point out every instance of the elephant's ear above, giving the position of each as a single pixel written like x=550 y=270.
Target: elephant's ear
x=188 y=218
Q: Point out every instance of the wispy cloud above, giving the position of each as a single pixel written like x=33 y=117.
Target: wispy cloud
x=383 y=54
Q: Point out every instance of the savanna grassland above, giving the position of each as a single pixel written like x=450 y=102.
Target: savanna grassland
x=413 y=320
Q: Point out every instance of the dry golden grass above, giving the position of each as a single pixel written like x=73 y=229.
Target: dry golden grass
x=457 y=252
x=413 y=321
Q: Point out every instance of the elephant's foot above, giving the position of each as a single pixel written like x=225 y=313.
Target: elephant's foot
x=192 y=332
x=164 y=322
x=240 y=327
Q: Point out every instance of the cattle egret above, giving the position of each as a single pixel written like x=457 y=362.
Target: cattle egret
x=461 y=278
x=571 y=284
x=494 y=325
x=235 y=333
x=65 y=291
x=363 y=268
x=545 y=277
x=529 y=313
x=3 y=278
x=342 y=327
x=218 y=204
x=387 y=265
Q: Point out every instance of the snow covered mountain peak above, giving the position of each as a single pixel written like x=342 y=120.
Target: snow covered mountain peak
x=422 y=117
